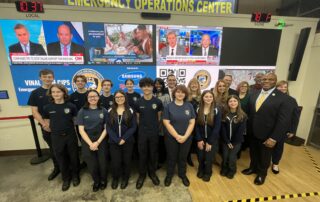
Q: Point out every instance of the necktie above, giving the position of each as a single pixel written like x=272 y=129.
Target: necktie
x=204 y=52
x=65 y=51
x=260 y=100
x=172 y=51
x=26 y=49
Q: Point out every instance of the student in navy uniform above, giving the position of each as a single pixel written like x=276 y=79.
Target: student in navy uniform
x=148 y=110
x=121 y=125
x=179 y=120
x=233 y=127
x=106 y=96
x=91 y=121
x=207 y=134
x=59 y=115
x=132 y=96
x=37 y=100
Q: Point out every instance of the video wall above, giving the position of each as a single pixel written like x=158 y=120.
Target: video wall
x=117 y=52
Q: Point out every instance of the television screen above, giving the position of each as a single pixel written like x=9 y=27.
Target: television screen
x=188 y=45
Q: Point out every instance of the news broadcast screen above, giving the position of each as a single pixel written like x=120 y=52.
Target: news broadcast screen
x=188 y=45
x=119 y=43
x=43 y=42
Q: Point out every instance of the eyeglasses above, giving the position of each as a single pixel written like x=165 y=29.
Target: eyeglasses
x=119 y=97
x=92 y=97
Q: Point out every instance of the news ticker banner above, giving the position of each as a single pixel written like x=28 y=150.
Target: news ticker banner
x=26 y=79
x=189 y=6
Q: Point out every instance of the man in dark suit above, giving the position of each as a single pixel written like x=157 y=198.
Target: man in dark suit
x=269 y=118
x=65 y=47
x=228 y=79
x=172 y=48
x=25 y=45
x=205 y=49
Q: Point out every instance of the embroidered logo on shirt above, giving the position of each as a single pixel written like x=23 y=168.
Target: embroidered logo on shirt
x=66 y=110
x=101 y=115
x=134 y=98
x=86 y=117
x=154 y=106
x=110 y=103
x=187 y=112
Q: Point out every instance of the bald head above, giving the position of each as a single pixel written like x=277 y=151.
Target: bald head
x=269 y=81
x=64 y=34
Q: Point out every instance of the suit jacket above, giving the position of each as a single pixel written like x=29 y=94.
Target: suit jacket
x=35 y=49
x=296 y=111
x=198 y=51
x=55 y=49
x=272 y=120
x=166 y=51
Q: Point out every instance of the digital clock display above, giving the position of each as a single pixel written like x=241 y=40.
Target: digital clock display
x=29 y=6
x=260 y=17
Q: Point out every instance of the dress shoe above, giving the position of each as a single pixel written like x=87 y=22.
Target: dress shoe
x=189 y=161
x=248 y=171
x=200 y=174
x=103 y=185
x=223 y=172
x=65 y=185
x=259 y=180
x=230 y=175
x=95 y=187
x=83 y=165
x=206 y=178
x=154 y=178
x=167 y=181
x=54 y=174
x=124 y=183
x=185 y=181
x=114 y=184
x=275 y=169
x=76 y=181
x=140 y=182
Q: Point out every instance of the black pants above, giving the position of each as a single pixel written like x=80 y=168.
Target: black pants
x=121 y=156
x=148 y=151
x=47 y=137
x=229 y=158
x=96 y=161
x=278 y=151
x=66 y=150
x=177 y=153
x=161 y=150
x=260 y=156
x=206 y=158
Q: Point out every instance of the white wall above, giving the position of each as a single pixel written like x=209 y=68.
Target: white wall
x=17 y=135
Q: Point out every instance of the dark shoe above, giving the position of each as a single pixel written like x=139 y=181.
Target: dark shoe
x=259 y=180
x=206 y=178
x=167 y=181
x=275 y=171
x=76 y=181
x=154 y=178
x=140 y=182
x=124 y=183
x=83 y=165
x=114 y=184
x=248 y=171
x=200 y=174
x=65 y=185
x=189 y=161
x=54 y=174
x=185 y=181
x=159 y=166
x=95 y=187
x=103 y=185
x=230 y=175
x=223 y=172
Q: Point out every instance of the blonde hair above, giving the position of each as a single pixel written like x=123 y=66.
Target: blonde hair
x=281 y=83
x=220 y=98
x=194 y=80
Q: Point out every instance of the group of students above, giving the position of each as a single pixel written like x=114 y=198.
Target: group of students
x=162 y=121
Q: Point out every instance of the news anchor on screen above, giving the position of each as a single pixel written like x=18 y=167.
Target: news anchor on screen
x=65 y=47
x=25 y=45
x=205 y=49
x=173 y=48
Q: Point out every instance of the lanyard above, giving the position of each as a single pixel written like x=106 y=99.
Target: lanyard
x=119 y=123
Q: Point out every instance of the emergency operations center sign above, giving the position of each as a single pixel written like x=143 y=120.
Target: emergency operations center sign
x=191 y=6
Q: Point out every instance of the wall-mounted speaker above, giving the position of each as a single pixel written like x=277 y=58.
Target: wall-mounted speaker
x=156 y=16
x=298 y=55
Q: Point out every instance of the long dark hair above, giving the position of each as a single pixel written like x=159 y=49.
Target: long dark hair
x=127 y=114
x=87 y=104
x=161 y=82
x=241 y=115
x=210 y=117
